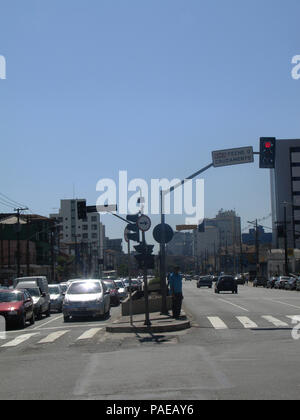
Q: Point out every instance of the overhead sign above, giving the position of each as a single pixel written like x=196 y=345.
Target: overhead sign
x=232 y=156
x=186 y=227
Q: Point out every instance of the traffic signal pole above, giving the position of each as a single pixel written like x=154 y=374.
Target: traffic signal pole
x=129 y=278
x=146 y=296
x=163 y=274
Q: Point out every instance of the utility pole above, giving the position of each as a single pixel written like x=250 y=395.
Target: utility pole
x=257 y=248
x=256 y=245
x=18 y=210
x=286 y=264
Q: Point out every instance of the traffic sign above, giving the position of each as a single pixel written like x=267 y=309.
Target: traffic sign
x=157 y=233
x=144 y=223
x=235 y=156
x=179 y=228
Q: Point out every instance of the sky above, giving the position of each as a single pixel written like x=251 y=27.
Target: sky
x=151 y=87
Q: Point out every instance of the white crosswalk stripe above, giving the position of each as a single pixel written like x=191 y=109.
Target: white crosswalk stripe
x=19 y=340
x=89 y=334
x=275 y=321
x=53 y=337
x=294 y=317
x=217 y=323
x=246 y=322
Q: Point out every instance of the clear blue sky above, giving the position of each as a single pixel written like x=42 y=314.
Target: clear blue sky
x=149 y=86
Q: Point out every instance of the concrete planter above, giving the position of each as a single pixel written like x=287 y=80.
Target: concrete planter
x=138 y=306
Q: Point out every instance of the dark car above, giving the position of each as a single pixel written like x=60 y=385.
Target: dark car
x=271 y=282
x=205 y=282
x=16 y=307
x=291 y=284
x=226 y=284
x=298 y=284
x=260 y=282
x=113 y=291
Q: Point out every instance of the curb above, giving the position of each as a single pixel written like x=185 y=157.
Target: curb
x=153 y=328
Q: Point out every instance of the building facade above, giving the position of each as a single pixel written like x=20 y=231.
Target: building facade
x=285 y=192
x=181 y=244
x=81 y=238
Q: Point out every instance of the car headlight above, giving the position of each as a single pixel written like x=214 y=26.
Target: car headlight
x=13 y=311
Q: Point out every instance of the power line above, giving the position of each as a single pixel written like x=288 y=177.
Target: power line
x=11 y=200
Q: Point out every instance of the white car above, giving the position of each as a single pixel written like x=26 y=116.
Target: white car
x=122 y=289
x=85 y=298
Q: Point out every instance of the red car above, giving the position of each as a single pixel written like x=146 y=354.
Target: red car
x=17 y=307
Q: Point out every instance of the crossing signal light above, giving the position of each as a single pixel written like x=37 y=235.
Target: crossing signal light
x=133 y=232
x=133 y=218
x=81 y=210
x=267 y=152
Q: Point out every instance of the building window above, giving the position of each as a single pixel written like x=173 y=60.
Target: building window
x=94 y=236
x=85 y=236
x=94 y=218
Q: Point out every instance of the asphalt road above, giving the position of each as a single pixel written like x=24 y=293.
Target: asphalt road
x=240 y=347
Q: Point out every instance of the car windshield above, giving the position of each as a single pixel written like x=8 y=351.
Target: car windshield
x=63 y=287
x=54 y=290
x=34 y=292
x=10 y=297
x=119 y=284
x=84 y=288
x=110 y=285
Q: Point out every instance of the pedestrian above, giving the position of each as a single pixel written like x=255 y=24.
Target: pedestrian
x=175 y=282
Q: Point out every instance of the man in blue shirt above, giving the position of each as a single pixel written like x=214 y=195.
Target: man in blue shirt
x=175 y=284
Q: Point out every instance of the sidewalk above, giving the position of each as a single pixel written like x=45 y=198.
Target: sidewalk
x=159 y=324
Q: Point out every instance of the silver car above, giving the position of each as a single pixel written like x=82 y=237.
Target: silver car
x=85 y=298
x=56 y=297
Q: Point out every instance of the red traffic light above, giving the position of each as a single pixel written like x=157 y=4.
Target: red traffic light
x=268 y=145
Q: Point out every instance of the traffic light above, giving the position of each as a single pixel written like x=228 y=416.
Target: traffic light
x=132 y=227
x=135 y=236
x=267 y=152
x=81 y=210
x=145 y=258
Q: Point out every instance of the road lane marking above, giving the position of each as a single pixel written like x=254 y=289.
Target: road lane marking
x=294 y=317
x=275 y=321
x=217 y=323
x=233 y=304
x=46 y=323
x=283 y=303
x=19 y=340
x=53 y=337
x=89 y=334
x=246 y=322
